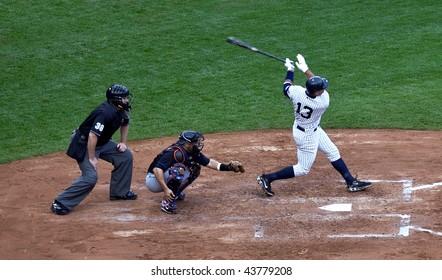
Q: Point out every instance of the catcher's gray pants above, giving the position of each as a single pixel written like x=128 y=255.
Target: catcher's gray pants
x=121 y=177
x=153 y=185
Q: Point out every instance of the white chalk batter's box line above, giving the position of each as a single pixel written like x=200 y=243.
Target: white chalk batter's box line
x=405 y=226
x=403 y=231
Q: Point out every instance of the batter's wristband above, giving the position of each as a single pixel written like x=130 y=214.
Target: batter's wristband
x=223 y=167
x=290 y=75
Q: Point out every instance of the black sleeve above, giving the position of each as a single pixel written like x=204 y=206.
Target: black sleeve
x=203 y=160
x=166 y=160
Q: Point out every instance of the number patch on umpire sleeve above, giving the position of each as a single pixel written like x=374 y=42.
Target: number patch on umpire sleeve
x=99 y=126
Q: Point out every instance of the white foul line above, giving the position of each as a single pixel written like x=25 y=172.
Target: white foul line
x=426 y=230
x=426 y=186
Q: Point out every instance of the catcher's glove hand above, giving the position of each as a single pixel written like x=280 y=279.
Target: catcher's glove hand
x=236 y=166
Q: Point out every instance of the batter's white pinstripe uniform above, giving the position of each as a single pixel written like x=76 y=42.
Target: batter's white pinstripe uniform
x=309 y=104
x=309 y=136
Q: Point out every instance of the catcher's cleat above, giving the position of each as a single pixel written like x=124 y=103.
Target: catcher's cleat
x=168 y=207
x=265 y=185
x=129 y=196
x=358 y=186
x=59 y=208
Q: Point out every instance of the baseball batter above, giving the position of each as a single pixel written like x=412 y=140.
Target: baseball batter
x=309 y=104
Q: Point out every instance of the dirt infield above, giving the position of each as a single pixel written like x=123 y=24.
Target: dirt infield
x=227 y=216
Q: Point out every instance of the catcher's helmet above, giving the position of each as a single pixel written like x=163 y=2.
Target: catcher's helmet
x=193 y=137
x=115 y=94
x=316 y=83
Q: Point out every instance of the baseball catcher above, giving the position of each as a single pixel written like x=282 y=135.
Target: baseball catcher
x=177 y=166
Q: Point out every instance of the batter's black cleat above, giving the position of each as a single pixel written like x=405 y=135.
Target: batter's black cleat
x=59 y=208
x=129 y=196
x=265 y=185
x=357 y=186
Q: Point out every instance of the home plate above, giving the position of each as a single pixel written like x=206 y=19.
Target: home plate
x=342 y=207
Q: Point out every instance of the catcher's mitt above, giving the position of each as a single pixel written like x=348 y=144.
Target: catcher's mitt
x=236 y=166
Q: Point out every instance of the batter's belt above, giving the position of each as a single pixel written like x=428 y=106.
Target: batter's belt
x=303 y=129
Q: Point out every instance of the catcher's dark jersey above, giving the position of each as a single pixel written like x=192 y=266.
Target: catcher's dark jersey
x=176 y=154
x=103 y=121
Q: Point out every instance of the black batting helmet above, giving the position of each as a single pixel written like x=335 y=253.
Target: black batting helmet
x=193 y=137
x=316 y=83
x=115 y=93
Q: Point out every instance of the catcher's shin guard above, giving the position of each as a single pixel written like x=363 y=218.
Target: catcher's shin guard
x=176 y=177
x=195 y=169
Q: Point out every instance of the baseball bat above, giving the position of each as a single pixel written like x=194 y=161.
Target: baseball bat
x=242 y=44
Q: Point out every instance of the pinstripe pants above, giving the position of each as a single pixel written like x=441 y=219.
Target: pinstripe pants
x=308 y=143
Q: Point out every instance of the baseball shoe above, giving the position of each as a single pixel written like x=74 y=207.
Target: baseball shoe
x=59 y=208
x=265 y=185
x=358 y=186
x=168 y=207
x=180 y=196
x=129 y=196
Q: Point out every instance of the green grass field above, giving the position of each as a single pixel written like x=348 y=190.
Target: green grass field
x=382 y=59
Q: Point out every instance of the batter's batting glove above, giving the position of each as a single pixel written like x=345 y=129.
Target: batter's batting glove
x=289 y=65
x=301 y=63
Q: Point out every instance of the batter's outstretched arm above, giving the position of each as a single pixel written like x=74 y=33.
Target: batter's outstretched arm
x=309 y=74
x=302 y=65
x=289 y=77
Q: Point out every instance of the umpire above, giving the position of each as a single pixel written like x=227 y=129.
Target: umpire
x=92 y=140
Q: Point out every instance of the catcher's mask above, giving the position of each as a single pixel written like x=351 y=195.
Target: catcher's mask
x=116 y=93
x=316 y=83
x=193 y=137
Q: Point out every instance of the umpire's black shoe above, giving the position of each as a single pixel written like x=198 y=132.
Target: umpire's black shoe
x=59 y=208
x=358 y=186
x=265 y=185
x=129 y=196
